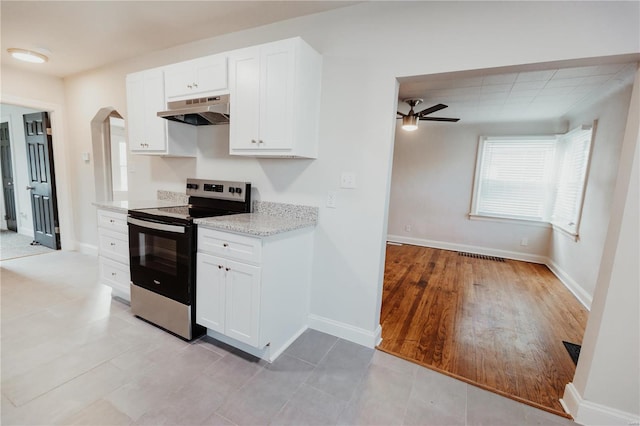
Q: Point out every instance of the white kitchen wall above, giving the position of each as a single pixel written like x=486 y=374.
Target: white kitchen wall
x=432 y=185
x=364 y=49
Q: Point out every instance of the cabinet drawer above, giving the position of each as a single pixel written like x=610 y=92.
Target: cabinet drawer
x=230 y=246
x=113 y=221
x=114 y=245
x=116 y=275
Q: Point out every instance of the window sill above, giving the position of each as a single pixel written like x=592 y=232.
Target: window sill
x=574 y=236
x=525 y=222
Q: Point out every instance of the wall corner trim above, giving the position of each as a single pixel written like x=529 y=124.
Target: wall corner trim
x=346 y=331
x=590 y=413
x=90 y=249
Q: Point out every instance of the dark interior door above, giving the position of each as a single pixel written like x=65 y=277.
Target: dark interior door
x=42 y=186
x=7 y=178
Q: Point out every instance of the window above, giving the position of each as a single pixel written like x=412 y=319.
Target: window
x=533 y=178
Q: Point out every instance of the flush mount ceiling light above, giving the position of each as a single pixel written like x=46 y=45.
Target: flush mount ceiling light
x=27 y=55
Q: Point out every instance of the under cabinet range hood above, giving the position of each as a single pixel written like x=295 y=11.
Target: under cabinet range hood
x=204 y=111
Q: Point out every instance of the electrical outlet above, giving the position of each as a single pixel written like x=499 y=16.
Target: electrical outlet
x=348 y=180
x=332 y=199
x=524 y=242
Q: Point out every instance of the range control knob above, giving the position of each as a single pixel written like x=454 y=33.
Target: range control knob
x=192 y=186
x=232 y=189
x=238 y=191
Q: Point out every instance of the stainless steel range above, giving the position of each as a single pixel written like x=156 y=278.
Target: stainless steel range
x=162 y=251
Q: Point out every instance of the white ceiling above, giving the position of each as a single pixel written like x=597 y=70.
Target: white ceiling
x=83 y=35
x=516 y=93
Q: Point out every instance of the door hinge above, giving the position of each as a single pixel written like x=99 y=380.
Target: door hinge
x=56 y=229
x=6 y=217
x=49 y=133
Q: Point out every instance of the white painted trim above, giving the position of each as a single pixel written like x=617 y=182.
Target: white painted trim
x=575 y=288
x=526 y=257
x=346 y=331
x=583 y=297
x=589 y=413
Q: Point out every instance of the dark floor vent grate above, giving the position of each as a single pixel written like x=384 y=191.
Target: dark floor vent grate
x=481 y=256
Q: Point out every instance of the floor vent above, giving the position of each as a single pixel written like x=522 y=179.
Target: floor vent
x=481 y=256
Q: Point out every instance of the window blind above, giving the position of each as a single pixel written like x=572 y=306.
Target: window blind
x=515 y=178
x=574 y=148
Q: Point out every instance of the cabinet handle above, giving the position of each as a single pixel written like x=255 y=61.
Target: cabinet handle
x=227 y=269
x=189 y=86
x=225 y=245
x=111 y=220
x=260 y=141
x=253 y=141
x=195 y=85
x=112 y=244
x=113 y=274
x=219 y=266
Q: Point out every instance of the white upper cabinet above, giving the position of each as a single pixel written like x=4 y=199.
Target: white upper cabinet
x=195 y=78
x=275 y=100
x=148 y=133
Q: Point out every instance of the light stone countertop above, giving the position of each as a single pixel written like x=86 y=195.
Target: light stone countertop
x=124 y=205
x=256 y=224
x=268 y=218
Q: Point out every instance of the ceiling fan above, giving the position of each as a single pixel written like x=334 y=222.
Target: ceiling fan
x=410 y=120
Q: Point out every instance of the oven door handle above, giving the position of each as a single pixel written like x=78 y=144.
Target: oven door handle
x=176 y=229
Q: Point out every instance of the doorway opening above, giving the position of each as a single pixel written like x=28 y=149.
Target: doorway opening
x=31 y=208
x=109 y=143
x=492 y=324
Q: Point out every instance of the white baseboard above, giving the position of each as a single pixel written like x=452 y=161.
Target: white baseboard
x=589 y=413
x=583 y=297
x=580 y=294
x=515 y=255
x=346 y=331
x=89 y=249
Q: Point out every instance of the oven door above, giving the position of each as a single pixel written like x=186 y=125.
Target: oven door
x=161 y=258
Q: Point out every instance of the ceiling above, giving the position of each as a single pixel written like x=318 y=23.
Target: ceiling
x=524 y=93
x=82 y=35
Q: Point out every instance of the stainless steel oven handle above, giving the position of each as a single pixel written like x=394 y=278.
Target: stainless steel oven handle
x=176 y=229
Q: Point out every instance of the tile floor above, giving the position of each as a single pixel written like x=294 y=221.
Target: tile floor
x=73 y=355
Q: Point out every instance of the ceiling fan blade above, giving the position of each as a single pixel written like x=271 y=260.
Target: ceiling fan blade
x=431 y=109
x=453 y=120
x=401 y=114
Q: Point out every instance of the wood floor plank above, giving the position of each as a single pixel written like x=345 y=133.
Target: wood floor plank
x=499 y=325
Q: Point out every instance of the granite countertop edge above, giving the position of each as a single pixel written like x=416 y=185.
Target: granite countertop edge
x=255 y=224
x=126 y=205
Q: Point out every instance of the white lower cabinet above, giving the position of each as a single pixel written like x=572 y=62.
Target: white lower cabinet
x=113 y=252
x=253 y=293
x=228 y=297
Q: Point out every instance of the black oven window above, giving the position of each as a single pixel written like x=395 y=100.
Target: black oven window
x=158 y=253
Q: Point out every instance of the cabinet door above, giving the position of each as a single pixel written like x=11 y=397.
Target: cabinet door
x=210 y=74
x=244 y=67
x=210 y=292
x=276 y=95
x=145 y=97
x=155 y=127
x=242 y=302
x=135 y=111
x=178 y=79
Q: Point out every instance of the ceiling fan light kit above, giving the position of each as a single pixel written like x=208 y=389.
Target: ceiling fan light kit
x=411 y=119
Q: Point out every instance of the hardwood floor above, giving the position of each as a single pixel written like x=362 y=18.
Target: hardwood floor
x=495 y=324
